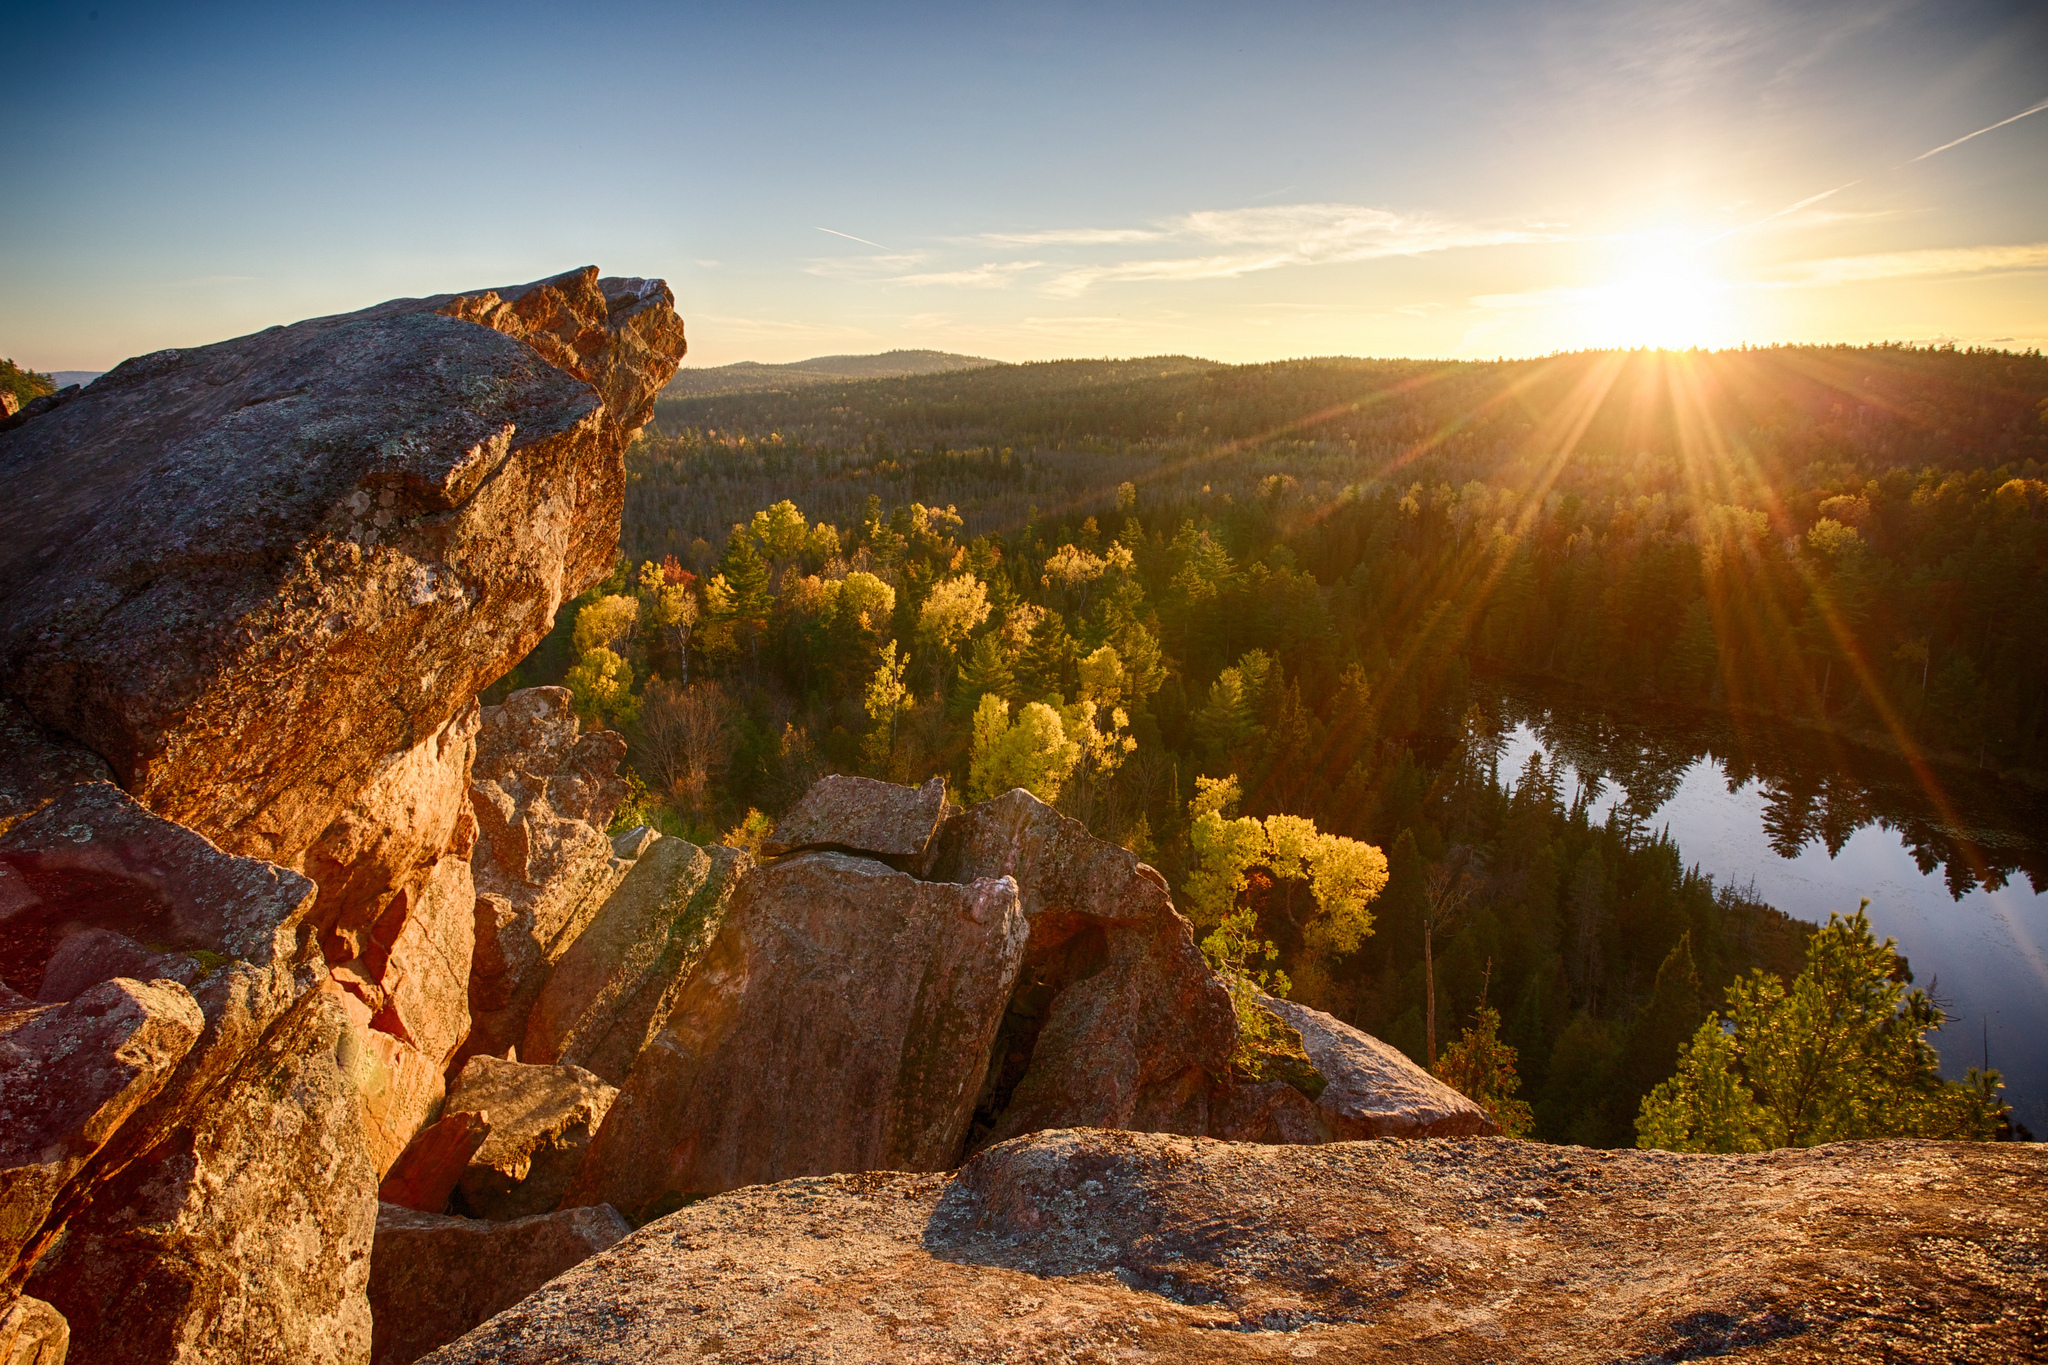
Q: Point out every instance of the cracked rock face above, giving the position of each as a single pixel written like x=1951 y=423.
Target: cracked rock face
x=1117 y=1021
x=1090 y=1245
x=618 y=983
x=840 y=1021
x=244 y=1237
x=543 y=868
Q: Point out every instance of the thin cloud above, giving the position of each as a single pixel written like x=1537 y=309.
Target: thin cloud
x=1979 y=133
x=866 y=267
x=1071 y=237
x=996 y=275
x=1286 y=235
x=1891 y=265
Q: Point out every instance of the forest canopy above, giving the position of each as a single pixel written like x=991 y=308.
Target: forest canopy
x=1241 y=620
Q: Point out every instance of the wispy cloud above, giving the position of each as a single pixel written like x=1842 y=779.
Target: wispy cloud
x=996 y=275
x=1969 y=260
x=884 y=267
x=1071 y=237
x=1225 y=243
x=1807 y=202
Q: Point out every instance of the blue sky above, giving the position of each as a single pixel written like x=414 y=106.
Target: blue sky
x=1242 y=182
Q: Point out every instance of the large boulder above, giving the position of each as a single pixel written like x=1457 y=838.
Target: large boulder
x=617 y=984
x=406 y=497
x=841 y=1021
x=244 y=1237
x=1156 y=1248
x=1118 y=1021
x=543 y=793
x=540 y=1121
x=1372 y=1089
x=433 y=1278
x=861 y=815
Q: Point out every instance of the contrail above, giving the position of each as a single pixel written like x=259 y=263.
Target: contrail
x=1789 y=208
x=1980 y=132
x=862 y=240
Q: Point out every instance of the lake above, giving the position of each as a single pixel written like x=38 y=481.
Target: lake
x=1955 y=864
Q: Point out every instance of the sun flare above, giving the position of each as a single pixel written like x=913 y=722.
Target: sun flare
x=1666 y=292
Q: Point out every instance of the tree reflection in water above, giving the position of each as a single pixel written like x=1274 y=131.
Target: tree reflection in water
x=1815 y=789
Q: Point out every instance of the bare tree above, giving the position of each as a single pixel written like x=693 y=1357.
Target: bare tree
x=686 y=737
x=1447 y=891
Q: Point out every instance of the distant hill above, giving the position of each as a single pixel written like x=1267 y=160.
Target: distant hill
x=66 y=378
x=748 y=376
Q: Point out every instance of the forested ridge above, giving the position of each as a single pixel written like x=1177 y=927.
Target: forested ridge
x=1113 y=580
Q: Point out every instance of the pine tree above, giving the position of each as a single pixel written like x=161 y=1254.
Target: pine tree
x=1841 y=1054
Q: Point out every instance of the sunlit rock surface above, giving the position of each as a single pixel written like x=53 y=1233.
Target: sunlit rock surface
x=840 y=1021
x=1088 y=1245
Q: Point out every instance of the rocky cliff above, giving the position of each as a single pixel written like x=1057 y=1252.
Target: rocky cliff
x=249 y=594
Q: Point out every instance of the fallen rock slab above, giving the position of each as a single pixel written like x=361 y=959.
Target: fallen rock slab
x=425 y=1175
x=861 y=815
x=1372 y=1089
x=617 y=984
x=1084 y=1245
x=541 y=1119
x=434 y=1278
x=841 y=1021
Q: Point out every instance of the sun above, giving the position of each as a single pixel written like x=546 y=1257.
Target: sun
x=1664 y=292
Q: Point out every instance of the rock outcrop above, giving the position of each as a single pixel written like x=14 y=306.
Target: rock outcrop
x=841 y=1021
x=1143 y=1247
x=543 y=867
x=434 y=1278
x=617 y=984
x=409 y=496
x=259 y=585
x=244 y=1237
x=540 y=1120
x=1118 y=1021
x=861 y=815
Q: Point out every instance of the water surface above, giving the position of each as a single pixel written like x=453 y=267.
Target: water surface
x=1955 y=866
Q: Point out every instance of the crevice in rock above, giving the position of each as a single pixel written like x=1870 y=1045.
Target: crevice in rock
x=1079 y=956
